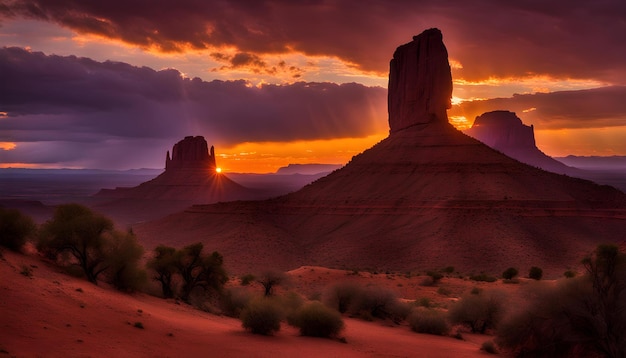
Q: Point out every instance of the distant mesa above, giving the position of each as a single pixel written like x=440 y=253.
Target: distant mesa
x=191 y=152
x=505 y=132
x=420 y=82
x=427 y=196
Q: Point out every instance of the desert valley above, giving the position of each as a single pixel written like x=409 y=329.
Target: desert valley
x=434 y=242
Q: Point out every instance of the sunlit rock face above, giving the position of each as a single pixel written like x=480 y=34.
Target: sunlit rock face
x=191 y=152
x=420 y=82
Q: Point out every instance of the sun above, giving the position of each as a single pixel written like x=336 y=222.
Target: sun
x=218 y=170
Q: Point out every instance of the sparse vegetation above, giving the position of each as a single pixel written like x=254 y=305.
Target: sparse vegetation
x=15 y=228
x=262 y=316
x=583 y=316
x=341 y=296
x=536 y=273
x=489 y=347
x=480 y=311
x=234 y=300
x=247 y=279
x=163 y=265
x=510 y=273
x=569 y=274
x=123 y=260
x=317 y=320
x=482 y=277
x=198 y=270
x=429 y=321
x=270 y=279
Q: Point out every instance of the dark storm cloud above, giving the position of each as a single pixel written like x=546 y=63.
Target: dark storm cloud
x=576 y=39
x=593 y=108
x=69 y=98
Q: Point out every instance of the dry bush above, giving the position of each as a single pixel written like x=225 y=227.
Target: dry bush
x=489 y=347
x=510 y=273
x=317 y=320
x=429 y=321
x=234 y=300
x=341 y=296
x=480 y=312
x=262 y=316
x=378 y=302
x=536 y=273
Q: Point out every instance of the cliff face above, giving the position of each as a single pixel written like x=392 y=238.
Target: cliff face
x=420 y=82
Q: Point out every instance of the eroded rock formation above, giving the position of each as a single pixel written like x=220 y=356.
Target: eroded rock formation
x=420 y=82
x=191 y=152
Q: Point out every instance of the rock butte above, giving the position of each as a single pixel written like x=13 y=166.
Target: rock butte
x=505 y=132
x=426 y=197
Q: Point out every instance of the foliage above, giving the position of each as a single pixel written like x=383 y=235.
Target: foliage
x=448 y=269
x=123 y=258
x=489 y=347
x=76 y=230
x=234 y=300
x=584 y=316
x=480 y=311
x=436 y=276
x=341 y=296
x=429 y=321
x=536 y=273
x=317 y=320
x=510 y=273
x=379 y=302
x=198 y=270
x=262 y=316
x=15 y=228
x=163 y=265
x=569 y=274
x=290 y=302
x=270 y=279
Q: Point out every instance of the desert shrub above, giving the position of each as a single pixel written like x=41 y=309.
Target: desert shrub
x=476 y=290
x=483 y=277
x=198 y=270
x=510 y=273
x=448 y=269
x=269 y=279
x=317 y=320
x=435 y=276
x=480 y=312
x=290 y=303
x=15 y=228
x=569 y=274
x=489 y=347
x=247 y=279
x=262 y=316
x=123 y=259
x=138 y=325
x=429 y=321
x=424 y=302
x=444 y=291
x=341 y=296
x=583 y=316
x=378 y=302
x=536 y=273
x=234 y=300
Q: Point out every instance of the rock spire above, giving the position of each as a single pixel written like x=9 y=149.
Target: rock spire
x=191 y=152
x=420 y=82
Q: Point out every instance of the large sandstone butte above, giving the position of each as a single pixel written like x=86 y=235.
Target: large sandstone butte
x=505 y=132
x=190 y=177
x=426 y=197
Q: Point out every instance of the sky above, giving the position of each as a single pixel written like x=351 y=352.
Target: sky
x=115 y=84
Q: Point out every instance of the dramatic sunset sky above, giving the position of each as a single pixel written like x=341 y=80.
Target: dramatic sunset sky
x=114 y=84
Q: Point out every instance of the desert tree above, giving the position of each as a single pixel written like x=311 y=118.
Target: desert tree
x=123 y=257
x=163 y=265
x=536 y=273
x=199 y=270
x=76 y=230
x=15 y=228
x=510 y=273
x=270 y=279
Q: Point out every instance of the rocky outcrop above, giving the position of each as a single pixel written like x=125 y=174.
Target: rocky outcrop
x=420 y=82
x=505 y=132
x=191 y=152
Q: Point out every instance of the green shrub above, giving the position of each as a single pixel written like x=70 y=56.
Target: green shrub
x=479 y=312
x=341 y=296
x=15 y=228
x=317 y=320
x=489 y=347
x=429 y=321
x=569 y=274
x=247 y=279
x=234 y=300
x=510 y=273
x=535 y=273
x=262 y=316
x=123 y=259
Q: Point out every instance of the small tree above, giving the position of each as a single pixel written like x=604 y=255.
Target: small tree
x=198 y=270
x=76 y=230
x=480 y=311
x=123 y=257
x=270 y=279
x=163 y=264
x=15 y=228
x=535 y=273
x=510 y=273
